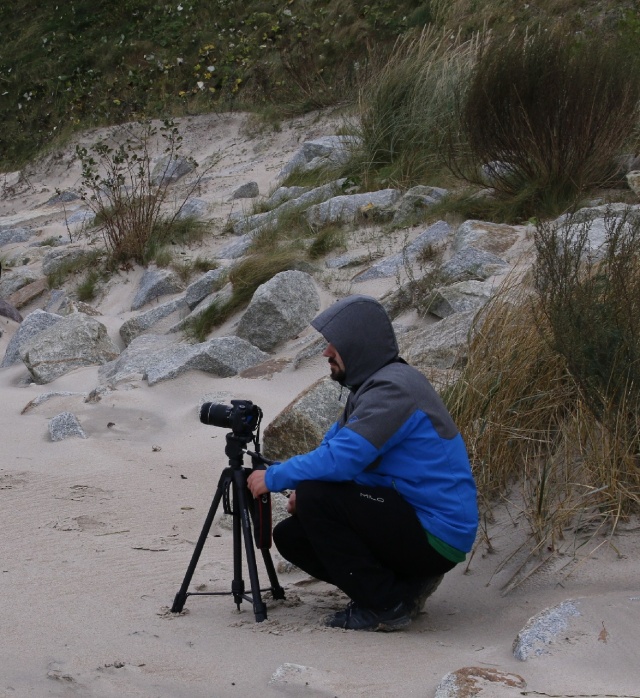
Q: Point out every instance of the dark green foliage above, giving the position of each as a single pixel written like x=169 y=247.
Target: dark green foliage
x=593 y=309
x=70 y=65
x=406 y=109
x=89 y=260
x=86 y=290
x=257 y=269
x=327 y=239
x=544 y=117
x=201 y=325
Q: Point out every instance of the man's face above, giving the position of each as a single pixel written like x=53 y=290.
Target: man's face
x=335 y=362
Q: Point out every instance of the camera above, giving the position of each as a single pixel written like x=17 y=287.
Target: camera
x=242 y=416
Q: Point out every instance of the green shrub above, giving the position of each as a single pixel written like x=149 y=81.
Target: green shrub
x=593 y=309
x=87 y=289
x=127 y=197
x=532 y=437
x=327 y=239
x=544 y=117
x=406 y=107
x=87 y=261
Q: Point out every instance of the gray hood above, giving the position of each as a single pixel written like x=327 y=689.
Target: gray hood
x=361 y=331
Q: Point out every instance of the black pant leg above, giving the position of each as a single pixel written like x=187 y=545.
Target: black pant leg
x=367 y=541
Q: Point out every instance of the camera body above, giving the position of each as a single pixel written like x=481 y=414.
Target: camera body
x=242 y=416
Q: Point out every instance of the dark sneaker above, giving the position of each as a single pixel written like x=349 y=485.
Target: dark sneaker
x=355 y=617
x=426 y=589
x=340 y=617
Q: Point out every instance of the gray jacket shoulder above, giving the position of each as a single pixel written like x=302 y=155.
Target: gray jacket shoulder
x=389 y=397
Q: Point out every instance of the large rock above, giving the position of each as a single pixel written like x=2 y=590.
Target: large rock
x=246 y=191
x=134 y=361
x=469 y=682
x=155 y=283
x=302 y=424
x=28 y=293
x=57 y=258
x=598 y=222
x=496 y=238
x=440 y=345
x=170 y=169
x=32 y=325
x=326 y=151
x=415 y=204
x=203 y=286
x=348 y=207
x=193 y=208
x=388 y=267
x=282 y=194
x=9 y=236
x=258 y=221
x=237 y=248
x=158 y=358
x=459 y=297
x=64 y=426
x=222 y=356
x=14 y=279
x=72 y=342
x=542 y=630
x=279 y=309
x=9 y=310
x=171 y=312
x=471 y=263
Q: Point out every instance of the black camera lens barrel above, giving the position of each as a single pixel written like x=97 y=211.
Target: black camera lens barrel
x=242 y=416
x=216 y=415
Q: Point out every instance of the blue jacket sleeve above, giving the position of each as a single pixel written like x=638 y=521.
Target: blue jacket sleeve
x=340 y=457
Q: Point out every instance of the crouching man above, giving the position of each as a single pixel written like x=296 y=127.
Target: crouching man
x=386 y=505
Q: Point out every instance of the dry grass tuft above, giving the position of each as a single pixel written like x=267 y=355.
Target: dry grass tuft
x=527 y=425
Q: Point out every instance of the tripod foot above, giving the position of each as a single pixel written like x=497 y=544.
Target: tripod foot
x=278 y=593
x=178 y=602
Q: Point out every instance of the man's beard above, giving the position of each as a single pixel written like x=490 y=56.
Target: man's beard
x=336 y=373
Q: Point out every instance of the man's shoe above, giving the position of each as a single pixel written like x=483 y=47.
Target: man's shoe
x=426 y=589
x=355 y=617
x=339 y=617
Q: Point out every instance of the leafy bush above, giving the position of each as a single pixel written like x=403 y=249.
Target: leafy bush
x=544 y=117
x=127 y=196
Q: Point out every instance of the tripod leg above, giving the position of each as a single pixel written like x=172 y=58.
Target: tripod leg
x=237 y=584
x=276 y=590
x=181 y=596
x=259 y=607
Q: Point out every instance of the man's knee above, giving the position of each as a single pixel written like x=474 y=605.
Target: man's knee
x=313 y=496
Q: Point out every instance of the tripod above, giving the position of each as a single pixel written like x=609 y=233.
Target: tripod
x=234 y=477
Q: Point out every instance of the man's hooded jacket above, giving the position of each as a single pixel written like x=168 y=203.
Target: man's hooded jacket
x=394 y=432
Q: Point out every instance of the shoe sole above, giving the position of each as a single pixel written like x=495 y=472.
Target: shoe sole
x=391 y=626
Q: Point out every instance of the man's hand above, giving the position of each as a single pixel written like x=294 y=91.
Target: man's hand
x=255 y=483
x=291 y=503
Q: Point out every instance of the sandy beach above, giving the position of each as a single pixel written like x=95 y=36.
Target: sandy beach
x=97 y=534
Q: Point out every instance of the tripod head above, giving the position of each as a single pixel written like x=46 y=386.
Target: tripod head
x=243 y=418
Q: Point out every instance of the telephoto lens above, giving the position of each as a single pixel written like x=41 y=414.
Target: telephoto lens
x=242 y=416
x=216 y=415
